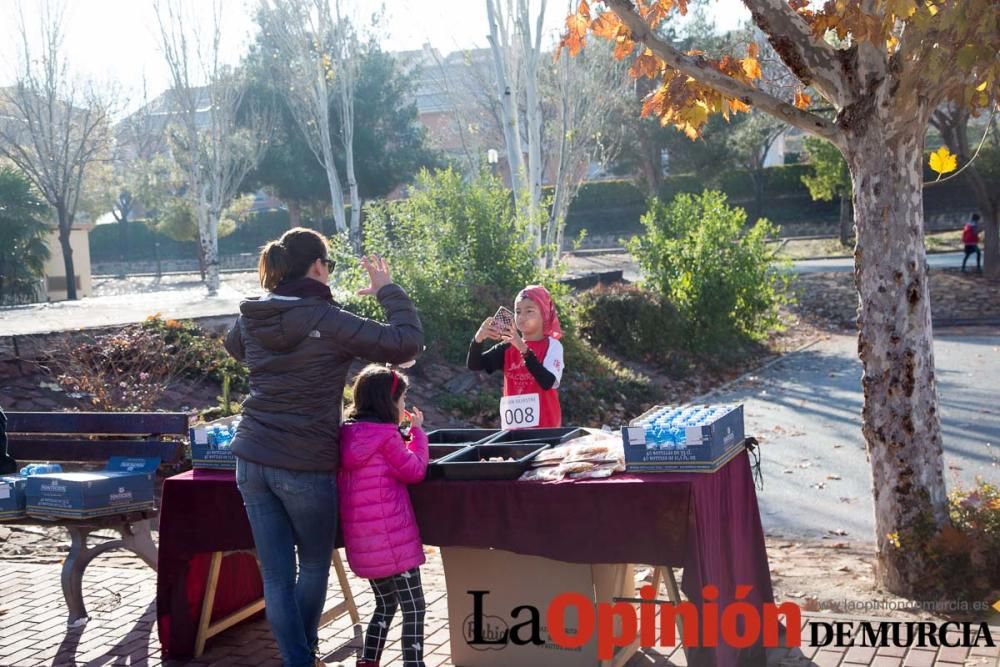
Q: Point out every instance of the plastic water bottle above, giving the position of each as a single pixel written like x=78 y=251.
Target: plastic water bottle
x=224 y=437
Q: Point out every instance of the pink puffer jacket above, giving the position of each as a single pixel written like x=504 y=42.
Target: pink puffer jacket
x=380 y=529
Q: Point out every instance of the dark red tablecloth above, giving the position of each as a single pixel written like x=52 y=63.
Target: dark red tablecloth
x=709 y=524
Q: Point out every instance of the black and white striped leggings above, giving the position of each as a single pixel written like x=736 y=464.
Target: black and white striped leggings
x=401 y=590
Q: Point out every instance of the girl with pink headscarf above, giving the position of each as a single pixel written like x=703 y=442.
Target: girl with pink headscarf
x=531 y=357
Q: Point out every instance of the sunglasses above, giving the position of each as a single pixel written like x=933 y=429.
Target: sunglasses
x=329 y=263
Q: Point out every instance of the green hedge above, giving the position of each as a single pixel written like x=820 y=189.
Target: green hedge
x=600 y=208
x=106 y=244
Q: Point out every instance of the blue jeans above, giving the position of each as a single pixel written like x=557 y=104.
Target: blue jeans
x=289 y=509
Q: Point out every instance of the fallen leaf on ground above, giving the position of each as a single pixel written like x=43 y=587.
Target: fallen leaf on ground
x=837 y=531
x=833 y=476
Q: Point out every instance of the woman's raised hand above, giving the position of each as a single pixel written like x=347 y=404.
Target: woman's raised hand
x=488 y=329
x=378 y=274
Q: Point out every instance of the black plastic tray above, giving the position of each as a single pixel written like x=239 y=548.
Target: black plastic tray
x=551 y=436
x=455 y=436
x=470 y=463
x=435 y=454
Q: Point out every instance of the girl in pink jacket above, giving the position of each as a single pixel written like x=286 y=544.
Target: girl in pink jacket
x=377 y=461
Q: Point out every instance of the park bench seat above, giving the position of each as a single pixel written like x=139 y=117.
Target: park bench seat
x=90 y=437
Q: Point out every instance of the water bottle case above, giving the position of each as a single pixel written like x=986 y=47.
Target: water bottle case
x=692 y=438
x=211 y=442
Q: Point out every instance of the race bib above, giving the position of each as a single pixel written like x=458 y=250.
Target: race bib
x=521 y=411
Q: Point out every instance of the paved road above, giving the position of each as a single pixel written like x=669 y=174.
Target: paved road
x=806 y=408
x=846 y=264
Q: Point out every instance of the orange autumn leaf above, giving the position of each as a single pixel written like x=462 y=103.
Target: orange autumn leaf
x=606 y=25
x=738 y=105
x=624 y=47
x=583 y=9
x=751 y=67
x=753 y=51
x=576 y=31
x=646 y=65
x=802 y=100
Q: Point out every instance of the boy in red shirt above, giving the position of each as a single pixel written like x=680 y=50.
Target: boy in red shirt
x=970 y=237
x=532 y=360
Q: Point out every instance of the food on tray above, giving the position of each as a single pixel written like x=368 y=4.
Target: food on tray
x=591 y=457
x=548 y=474
x=499 y=459
x=597 y=472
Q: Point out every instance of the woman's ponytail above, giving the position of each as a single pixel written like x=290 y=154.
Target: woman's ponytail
x=290 y=257
x=273 y=265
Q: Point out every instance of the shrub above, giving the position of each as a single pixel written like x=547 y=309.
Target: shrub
x=598 y=390
x=698 y=254
x=963 y=558
x=208 y=358
x=456 y=247
x=632 y=322
x=125 y=371
x=130 y=369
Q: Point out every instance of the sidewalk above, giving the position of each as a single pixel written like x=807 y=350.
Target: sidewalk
x=122 y=630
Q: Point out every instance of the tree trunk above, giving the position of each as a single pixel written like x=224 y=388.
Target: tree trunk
x=650 y=172
x=352 y=183
x=895 y=343
x=294 y=213
x=758 y=176
x=336 y=192
x=507 y=94
x=846 y=219
x=65 y=229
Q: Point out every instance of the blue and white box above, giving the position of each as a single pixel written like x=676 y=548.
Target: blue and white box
x=12 y=497
x=125 y=485
x=210 y=443
x=689 y=439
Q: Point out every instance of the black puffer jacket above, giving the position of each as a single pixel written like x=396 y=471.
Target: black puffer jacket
x=299 y=351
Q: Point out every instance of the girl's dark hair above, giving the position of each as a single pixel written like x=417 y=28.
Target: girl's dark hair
x=374 y=398
x=290 y=257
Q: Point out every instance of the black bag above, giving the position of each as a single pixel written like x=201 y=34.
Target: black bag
x=8 y=466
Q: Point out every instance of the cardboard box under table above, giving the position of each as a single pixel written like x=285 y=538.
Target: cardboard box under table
x=514 y=580
x=126 y=485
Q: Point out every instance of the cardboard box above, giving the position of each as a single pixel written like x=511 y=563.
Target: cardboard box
x=12 y=500
x=514 y=580
x=707 y=448
x=125 y=485
x=204 y=455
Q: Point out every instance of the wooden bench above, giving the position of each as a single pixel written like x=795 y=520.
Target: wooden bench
x=87 y=437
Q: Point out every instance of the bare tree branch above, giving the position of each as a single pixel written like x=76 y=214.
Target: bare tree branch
x=812 y=60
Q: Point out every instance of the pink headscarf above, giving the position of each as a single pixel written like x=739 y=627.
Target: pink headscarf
x=541 y=296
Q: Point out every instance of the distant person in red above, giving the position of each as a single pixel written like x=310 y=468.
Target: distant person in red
x=970 y=237
x=531 y=358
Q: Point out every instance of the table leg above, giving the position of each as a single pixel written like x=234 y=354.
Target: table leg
x=670 y=583
x=348 y=605
x=206 y=628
